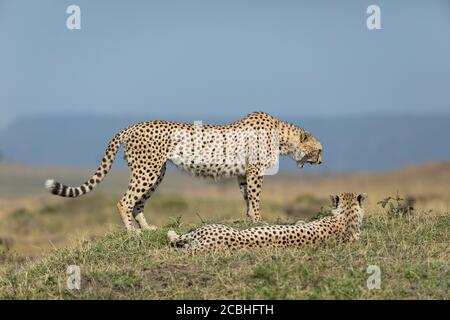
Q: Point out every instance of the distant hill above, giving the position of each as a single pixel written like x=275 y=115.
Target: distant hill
x=350 y=143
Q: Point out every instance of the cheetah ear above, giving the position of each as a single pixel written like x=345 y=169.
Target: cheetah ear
x=334 y=201
x=361 y=198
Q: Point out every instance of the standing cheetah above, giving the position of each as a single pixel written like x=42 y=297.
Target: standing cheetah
x=343 y=225
x=246 y=149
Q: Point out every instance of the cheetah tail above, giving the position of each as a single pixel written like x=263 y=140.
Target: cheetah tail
x=62 y=190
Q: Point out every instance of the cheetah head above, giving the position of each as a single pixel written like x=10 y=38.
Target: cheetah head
x=308 y=151
x=348 y=209
x=347 y=203
x=300 y=145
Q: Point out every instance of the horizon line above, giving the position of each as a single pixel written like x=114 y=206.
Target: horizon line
x=177 y=115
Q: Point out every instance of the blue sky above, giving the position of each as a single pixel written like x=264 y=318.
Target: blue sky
x=157 y=58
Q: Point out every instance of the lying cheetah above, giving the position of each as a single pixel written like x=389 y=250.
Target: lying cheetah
x=343 y=225
x=246 y=149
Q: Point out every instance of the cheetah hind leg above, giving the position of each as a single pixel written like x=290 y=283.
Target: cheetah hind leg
x=138 y=211
x=130 y=200
x=138 y=214
x=125 y=215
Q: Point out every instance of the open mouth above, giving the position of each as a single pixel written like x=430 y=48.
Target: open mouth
x=300 y=164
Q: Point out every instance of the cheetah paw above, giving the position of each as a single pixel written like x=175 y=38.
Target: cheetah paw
x=172 y=236
x=150 y=227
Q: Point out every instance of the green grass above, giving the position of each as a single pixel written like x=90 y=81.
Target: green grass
x=412 y=253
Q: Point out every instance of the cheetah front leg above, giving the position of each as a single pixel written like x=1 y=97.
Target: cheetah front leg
x=242 y=181
x=254 y=179
x=185 y=241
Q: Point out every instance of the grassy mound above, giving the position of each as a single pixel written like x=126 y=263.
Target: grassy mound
x=412 y=253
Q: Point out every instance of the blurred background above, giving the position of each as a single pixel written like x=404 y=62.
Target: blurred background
x=379 y=101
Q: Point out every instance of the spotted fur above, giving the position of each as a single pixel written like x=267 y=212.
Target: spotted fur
x=149 y=145
x=343 y=225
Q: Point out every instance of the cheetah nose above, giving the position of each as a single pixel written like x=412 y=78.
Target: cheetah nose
x=320 y=161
